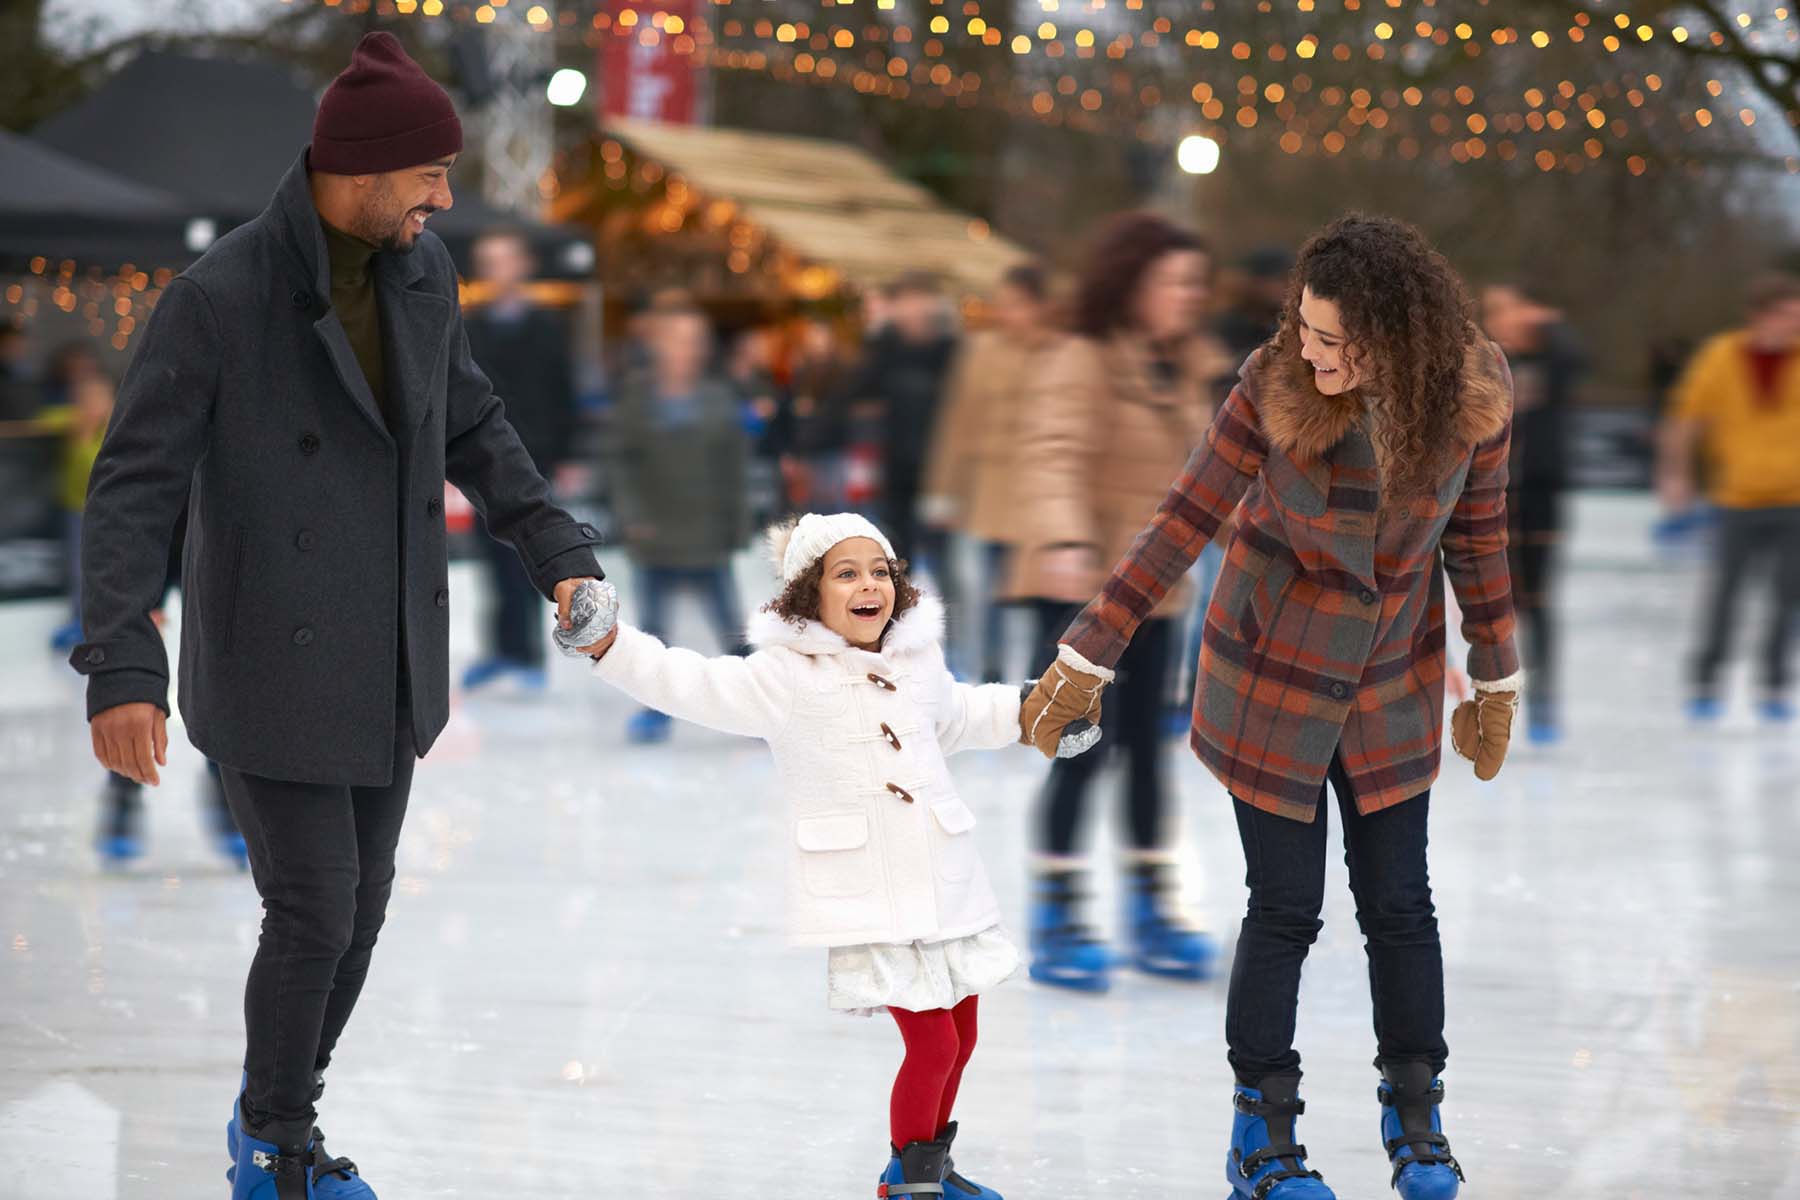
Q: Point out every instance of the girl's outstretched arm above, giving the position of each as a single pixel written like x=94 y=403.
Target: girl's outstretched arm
x=747 y=696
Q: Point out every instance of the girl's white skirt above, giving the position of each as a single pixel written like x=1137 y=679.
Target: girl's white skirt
x=862 y=980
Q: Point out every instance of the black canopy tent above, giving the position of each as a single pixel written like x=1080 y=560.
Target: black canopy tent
x=56 y=207
x=220 y=133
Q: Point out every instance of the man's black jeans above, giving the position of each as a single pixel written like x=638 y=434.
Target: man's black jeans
x=322 y=857
x=1284 y=864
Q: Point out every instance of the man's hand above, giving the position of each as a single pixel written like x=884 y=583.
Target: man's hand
x=132 y=739
x=565 y=594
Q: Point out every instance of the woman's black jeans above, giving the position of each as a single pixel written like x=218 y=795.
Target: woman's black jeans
x=1284 y=867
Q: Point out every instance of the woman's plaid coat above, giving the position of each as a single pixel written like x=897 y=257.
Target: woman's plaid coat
x=1325 y=634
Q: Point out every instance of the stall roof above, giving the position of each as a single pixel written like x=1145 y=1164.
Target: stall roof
x=59 y=207
x=828 y=202
x=220 y=133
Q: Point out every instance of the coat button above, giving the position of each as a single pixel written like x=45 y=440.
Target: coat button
x=435 y=505
x=1367 y=597
x=309 y=443
x=900 y=792
x=881 y=683
x=893 y=739
x=302 y=300
x=96 y=656
x=303 y=636
x=443 y=598
x=1340 y=690
x=587 y=531
x=306 y=539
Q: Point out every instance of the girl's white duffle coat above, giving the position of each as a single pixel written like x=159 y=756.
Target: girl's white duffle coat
x=881 y=845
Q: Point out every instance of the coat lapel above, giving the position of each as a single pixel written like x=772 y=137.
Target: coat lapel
x=331 y=335
x=414 y=324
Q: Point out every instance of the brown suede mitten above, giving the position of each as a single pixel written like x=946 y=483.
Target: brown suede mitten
x=1064 y=694
x=1481 y=729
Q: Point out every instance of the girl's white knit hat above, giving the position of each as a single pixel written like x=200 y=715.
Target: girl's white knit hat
x=795 y=547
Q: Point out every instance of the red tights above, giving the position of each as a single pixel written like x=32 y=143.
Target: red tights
x=938 y=1044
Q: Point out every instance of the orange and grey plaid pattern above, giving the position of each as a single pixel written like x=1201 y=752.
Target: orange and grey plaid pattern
x=1325 y=633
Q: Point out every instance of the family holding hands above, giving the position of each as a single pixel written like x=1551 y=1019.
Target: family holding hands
x=305 y=391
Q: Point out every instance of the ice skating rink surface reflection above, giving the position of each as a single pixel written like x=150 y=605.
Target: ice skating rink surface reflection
x=582 y=988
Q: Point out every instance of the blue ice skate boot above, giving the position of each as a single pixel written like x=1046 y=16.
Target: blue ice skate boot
x=120 y=838
x=333 y=1178
x=1705 y=709
x=1265 y=1162
x=647 y=728
x=1161 y=942
x=484 y=671
x=1543 y=726
x=1064 y=952
x=956 y=1186
x=269 y=1164
x=1424 y=1168
x=916 y=1170
x=1776 y=709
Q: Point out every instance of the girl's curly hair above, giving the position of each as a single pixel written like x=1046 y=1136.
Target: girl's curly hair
x=799 y=601
x=1408 y=322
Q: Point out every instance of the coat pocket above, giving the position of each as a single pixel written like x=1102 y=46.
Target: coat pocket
x=834 y=858
x=954 y=849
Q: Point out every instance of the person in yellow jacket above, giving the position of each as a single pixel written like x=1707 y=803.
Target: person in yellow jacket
x=79 y=406
x=1739 y=405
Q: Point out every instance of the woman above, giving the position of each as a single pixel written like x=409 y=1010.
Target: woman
x=1369 y=437
x=1112 y=416
x=970 y=479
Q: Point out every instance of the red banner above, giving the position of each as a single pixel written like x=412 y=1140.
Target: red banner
x=647 y=67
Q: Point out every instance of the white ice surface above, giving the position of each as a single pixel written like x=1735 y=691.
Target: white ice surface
x=581 y=989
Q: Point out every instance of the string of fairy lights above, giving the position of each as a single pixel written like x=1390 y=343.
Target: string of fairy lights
x=113 y=302
x=1315 y=114
x=1301 y=84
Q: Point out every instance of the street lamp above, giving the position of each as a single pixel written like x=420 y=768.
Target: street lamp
x=566 y=88
x=1197 y=154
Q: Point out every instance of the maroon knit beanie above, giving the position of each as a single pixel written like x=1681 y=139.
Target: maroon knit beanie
x=382 y=114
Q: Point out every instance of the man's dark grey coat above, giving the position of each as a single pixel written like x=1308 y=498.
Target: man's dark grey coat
x=316 y=541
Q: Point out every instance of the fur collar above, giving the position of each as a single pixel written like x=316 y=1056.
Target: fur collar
x=920 y=626
x=1305 y=425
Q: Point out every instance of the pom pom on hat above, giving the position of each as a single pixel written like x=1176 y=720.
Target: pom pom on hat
x=794 y=546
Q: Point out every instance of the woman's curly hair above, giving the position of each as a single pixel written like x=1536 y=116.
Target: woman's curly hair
x=1408 y=323
x=799 y=600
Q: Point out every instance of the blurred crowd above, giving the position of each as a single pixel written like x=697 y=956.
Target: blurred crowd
x=999 y=443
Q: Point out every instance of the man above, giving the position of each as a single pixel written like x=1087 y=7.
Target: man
x=524 y=350
x=310 y=381
x=1740 y=396
x=1547 y=364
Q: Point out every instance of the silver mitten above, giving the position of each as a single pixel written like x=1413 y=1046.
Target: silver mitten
x=593 y=611
x=1078 y=737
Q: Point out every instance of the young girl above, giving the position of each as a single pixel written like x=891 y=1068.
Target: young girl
x=850 y=690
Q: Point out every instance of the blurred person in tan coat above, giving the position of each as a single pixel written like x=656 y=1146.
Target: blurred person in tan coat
x=1114 y=414
x=972 y=476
